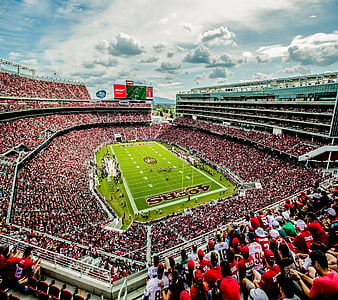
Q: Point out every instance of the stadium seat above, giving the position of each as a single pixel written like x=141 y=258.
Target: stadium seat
x=3 y=295
x=12 y=297
x=54 y=291
x=65 y=294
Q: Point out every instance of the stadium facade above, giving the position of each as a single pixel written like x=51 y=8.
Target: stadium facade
x=304 y=105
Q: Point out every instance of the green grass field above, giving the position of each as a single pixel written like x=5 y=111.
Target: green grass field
x=153 y=179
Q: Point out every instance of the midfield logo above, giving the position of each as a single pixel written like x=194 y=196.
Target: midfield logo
x=150 y=160
x=194 y=190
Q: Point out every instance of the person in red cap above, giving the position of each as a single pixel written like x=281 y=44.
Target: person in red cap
x=229 y=286
x=214 y=273
x=245 y=268
x=210 y=249
x=303 y=239
x=254 y=222
x=202 y=263
x=199 y=289
x=268 y=281
x=156 y=285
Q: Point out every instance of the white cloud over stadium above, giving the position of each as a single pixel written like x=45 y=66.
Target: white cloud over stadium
x=173 y=44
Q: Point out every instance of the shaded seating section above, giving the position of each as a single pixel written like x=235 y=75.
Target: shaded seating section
x=291 y=145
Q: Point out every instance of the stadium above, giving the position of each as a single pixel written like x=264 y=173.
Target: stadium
x=268 y=143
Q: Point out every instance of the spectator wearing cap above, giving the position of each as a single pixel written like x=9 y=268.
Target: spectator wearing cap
x=199 y=288
x=255 y=250
x=288 y=226
x=323 y=287
x=277 y=225
x=245 y=269
x=275 y=238
x=202 y=263
x=332 y=224
x=303 y=240
x=211 y=249
x=317 y=230
x=156 y=285
x=258 y=294
x=254 y=222
x=228 y=285
x=214 y=273
x=262 y=238
x=189 y=272
x=268 y=281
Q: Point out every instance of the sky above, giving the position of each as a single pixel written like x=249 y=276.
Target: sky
x=172 y=45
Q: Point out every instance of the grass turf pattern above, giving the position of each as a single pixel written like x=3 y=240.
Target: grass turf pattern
x=154 y=177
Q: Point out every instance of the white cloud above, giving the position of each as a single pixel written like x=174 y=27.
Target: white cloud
x=218 y=35
x=319 y=49
x=125 y=44
x=198 y=55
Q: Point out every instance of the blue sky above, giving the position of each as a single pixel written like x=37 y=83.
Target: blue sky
x=173 y=45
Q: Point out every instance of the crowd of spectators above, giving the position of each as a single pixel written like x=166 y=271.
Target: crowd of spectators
x=291 y=145
x=290 y=252
x=20 y=86
x=33 y=131
x=53 y=187
x=9 y=104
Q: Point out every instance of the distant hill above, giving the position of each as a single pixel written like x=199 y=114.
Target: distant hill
x=164 y=101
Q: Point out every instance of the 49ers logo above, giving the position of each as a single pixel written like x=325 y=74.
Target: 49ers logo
x=150 y=160
x=194 y=190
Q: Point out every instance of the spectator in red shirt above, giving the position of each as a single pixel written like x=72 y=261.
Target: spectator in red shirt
x=214 y=273
x=323 y=287
x=202 y=263
x=245 y=268
x=262 y=238
x=317 y=231
x=26 y=267
x=199 y=289
x=254 y=221
x=229 y=286
x=263 y=220
x=8 y=261
x=303 y=239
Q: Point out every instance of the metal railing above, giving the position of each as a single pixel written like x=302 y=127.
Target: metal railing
x=59 y=260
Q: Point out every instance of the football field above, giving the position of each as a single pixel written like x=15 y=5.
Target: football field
x=154 y=177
